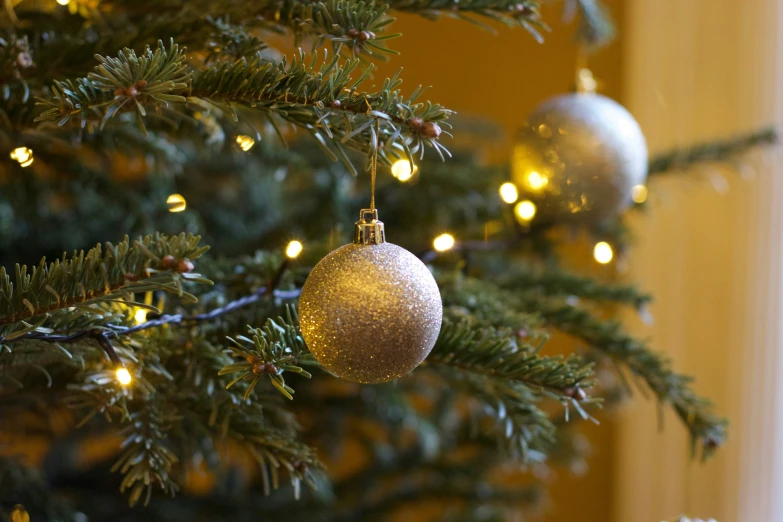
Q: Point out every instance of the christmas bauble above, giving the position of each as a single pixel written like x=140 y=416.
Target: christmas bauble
x=578 y=159
x=370 y=311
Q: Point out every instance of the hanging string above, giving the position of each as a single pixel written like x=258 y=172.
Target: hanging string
x=374 y=162
x=585 y=82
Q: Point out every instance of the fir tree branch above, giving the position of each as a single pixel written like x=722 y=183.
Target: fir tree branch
x=99 y=275
x=274 y=450
x=107 y=330
x=606 y=337
x=230 y=29
x=671 y=388
x=556 y=282
x=356 y=26
x=276 y=348
x=521 y=428
x=712 y=151
x=487 y=306
x=508 y=378
x=512 y=13
x=152 y=78
x=595 y=25
x=323 y=99
x=320 y=98
x=497 y=354
x=147 y=461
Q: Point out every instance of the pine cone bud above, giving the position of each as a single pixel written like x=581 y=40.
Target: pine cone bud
x=526 y=10
x=185 y=265
x=416 y=123
x=364 y=36
x=522 y=9
x=431 y=130
x=259 y=366
x=336 y=104
x=576 y=393
x=169 y=262
x=353 y=33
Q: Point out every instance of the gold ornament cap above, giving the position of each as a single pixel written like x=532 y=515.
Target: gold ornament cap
x=369 y=230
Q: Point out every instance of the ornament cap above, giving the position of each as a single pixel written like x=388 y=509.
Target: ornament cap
x=369 y=230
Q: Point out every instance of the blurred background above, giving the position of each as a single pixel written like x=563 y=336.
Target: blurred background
x=708 y=247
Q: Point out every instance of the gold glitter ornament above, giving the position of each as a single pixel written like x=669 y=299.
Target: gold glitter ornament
x=370 y=311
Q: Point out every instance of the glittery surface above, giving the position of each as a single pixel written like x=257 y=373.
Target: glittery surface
x=592 y=153
x=370 y=313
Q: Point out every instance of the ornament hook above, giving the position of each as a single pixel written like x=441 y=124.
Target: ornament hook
x=369 y=229
x=585 y=81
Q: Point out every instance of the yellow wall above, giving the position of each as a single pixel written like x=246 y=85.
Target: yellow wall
x=709 y=249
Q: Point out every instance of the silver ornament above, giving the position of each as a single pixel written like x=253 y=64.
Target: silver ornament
x=578 y=159
x=370 y=311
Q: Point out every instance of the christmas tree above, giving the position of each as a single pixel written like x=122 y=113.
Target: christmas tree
x=174 y=373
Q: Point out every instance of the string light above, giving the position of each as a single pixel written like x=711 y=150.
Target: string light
x=176 y=203
x=19 y=514
x=525 y=210
x=443 y=242
x=293 y=249
x=602 y=252
x=140 y=316
x=23 y=155
x=639 y=193
x=509 y=193
x=63 y=2
x=536 y=181
x=123 y=376
x=401 y=169
x=245 y=142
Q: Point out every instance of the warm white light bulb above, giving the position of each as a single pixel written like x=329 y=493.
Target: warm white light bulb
x=602 y=252
x=536 y=181
x=402 y=170
x=176 y=203
x=639 y=193
x=23 y=155
x=140 y=315
x=124 y=376
x=245 y=142
x=293 y=249
x=443 y=242
x=525 y=210
x=509 y=193
x=63 y=2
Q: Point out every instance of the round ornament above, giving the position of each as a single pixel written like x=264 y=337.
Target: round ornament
x=578 y=159
x=370 y=311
